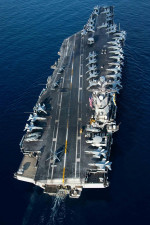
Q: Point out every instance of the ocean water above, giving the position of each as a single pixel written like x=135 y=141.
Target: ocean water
x=31 y=33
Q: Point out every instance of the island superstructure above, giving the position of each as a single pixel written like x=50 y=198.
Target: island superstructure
x=68 y=137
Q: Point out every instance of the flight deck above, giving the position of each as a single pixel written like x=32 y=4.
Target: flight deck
x=68 y=138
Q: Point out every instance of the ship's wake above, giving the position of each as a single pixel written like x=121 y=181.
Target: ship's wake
x=43 y=210
x=58 y=209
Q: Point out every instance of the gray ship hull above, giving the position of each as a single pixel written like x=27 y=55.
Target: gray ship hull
x=63 y=160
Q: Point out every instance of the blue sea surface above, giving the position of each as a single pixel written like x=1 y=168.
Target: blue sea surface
x=31 y=33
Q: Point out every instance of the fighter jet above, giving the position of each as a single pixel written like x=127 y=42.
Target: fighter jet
x=106 y=10
x=114 y=64
x=116 y=47
x=120 y=34
x=35 y=117
x=111 y=82
x=91 y=21
x=91 y=61
x=118 y=57
x=102 y=165
x=116 y=52
x=120 y=38
x=92 y=129
x=91 y=55
x=90 y=25
x=109 y=19
x=31 y=127
x=112 y=26
x=93 y=83
x=54 y=157
x=92 y=75
x=109 y=14
x=31 y=139
x=113 y=42
x=115 y=89
x=105 y=7
x=95 y=13
x=40 y=108
x=111 y=29
x=96 y=141
x=116 y=67
x=90 y=29
x=115 y=70
x=116 y=83
x=83 y=32
x=96 y=10
x=117 y=75
x=103 y=25
x=97 y=153
x=92 y=68
x=36 y=134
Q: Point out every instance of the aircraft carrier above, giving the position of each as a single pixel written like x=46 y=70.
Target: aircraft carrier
x=68 y=137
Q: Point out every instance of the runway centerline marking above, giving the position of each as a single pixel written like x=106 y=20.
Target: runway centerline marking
x=63 y=181
x=66 y=141
x=78 y=138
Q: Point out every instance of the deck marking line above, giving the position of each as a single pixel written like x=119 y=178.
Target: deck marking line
x=65 y=155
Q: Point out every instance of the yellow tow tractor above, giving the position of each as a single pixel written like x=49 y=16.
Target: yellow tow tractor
x=81 y=130
x=114 y=99
x=92 y=121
